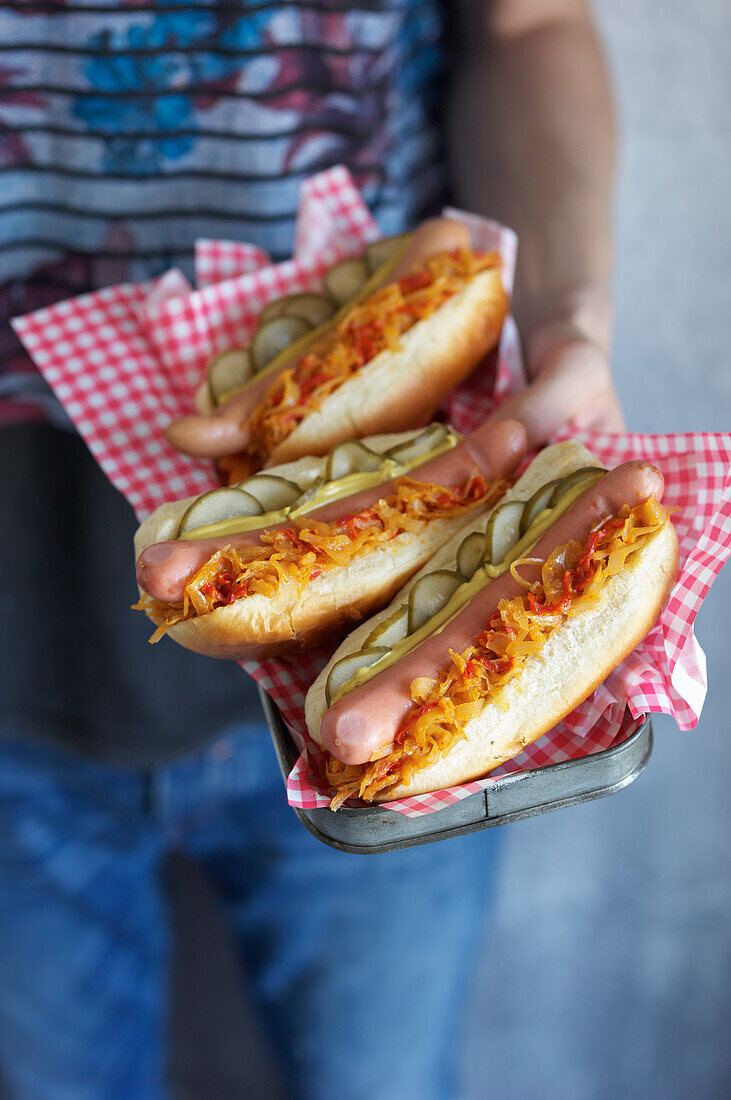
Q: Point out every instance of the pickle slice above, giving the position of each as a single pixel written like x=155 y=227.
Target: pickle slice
x=271 y=491
x=430 y=594
x=311 y=491
x=344 y=280
x=275 y=308
x=540 y=500
x=392 y=630
x=428 y=440
x=314 y=308
x=346 y=668
x=588 y=474
x=275 y=337
x=217 y=505
x=470 y=554
x=351 y=457
x=503 y=530
x=227 y=372
x=380 y=251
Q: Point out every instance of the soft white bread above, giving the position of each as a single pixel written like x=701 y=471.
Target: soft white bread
x=556 y=461
x=401 y=389
x=577 y=657
x=163 y=523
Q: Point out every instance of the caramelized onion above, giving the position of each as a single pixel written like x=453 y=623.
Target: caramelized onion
x=289 y=555
x=445 y=704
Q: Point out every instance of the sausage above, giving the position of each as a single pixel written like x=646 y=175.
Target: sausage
x=365 y=720
x=496 y=448
x=432 y=236
x=226 y=430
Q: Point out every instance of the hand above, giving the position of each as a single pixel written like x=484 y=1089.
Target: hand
x=571 y=386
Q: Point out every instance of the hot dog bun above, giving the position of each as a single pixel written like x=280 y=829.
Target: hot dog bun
x=273 y=625
x=576 y=657
x=399 y=388
x=575 y=660
x=552 y=462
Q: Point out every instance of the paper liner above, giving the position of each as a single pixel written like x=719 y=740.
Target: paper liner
x=126 y=360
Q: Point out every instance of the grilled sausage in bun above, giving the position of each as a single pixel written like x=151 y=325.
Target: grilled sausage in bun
x=382 y=363
x=300 y=552
x=508 y=628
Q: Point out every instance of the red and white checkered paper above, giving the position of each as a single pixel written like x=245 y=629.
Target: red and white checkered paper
x=126 y=360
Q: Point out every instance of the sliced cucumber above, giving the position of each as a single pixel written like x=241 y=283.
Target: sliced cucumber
x=430 y=594
x=540 y=500
x=470 y=554
x=351 y=457
x=271 y=491
x=313 y=308
x=428 y=440
x=217 y=505
x=275 y=337
x=311 y=492
x=227 y=372
x=275 y=309
x=503 y=530
x=344 y=280
x=380 y=251
x=588 y=474
x=346 y=668
x=392 y=630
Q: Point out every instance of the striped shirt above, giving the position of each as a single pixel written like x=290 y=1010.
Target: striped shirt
x=127 y=130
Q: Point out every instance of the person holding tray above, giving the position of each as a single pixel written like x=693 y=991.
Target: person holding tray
x=128 y=132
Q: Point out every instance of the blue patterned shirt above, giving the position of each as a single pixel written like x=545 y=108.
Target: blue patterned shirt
x=127 y=130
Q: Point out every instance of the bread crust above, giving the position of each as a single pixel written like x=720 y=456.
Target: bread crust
x=577 y=657
x=401 y=389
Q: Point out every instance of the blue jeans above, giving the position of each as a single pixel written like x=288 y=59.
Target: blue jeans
x=359 y=965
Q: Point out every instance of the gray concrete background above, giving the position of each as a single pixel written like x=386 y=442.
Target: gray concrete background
x=607 y=968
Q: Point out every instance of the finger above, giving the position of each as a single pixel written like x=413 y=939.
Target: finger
x=573 y=386
x=206 y=436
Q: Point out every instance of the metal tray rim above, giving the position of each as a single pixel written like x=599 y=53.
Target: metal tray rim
x=636 y=749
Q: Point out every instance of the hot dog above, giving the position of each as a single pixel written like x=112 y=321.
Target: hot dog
x=286 y=579
x=383 y=363
x=516 y=651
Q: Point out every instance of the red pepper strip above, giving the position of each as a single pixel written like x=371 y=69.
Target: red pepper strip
x=562 y=607
x=477 y=487
x=384 y=767
x=414 y=282
x=356 y=522
x=315 y=573
x=403 y=732
x=310 y=385
x=291 y=534
x=595 y=538
x=241 y=589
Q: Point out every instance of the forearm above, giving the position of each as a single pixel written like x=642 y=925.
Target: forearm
x=531 y=131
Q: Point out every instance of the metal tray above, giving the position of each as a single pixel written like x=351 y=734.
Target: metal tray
x=510 y=798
